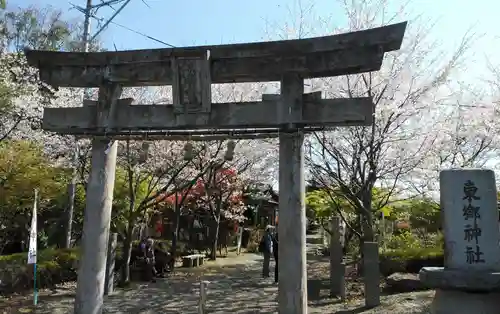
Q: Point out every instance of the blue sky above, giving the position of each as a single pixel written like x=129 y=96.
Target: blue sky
x=195 y=22
x=190 y=22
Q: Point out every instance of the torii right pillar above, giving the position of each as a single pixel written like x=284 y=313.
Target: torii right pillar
x=292 y=289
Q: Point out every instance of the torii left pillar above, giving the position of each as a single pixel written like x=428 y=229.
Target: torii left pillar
x=97 y=216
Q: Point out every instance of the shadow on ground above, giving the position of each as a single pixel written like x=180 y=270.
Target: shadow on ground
x=235 y=286
x=234 y=289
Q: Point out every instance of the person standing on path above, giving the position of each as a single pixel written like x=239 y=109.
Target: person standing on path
x=266 y=248
x=275 y=251
x=149 y=256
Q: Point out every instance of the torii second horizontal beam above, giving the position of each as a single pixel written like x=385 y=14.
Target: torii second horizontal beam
x=223 y=116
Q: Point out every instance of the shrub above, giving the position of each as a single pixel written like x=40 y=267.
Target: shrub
x=410 y=260
x=407 y=252
x=404 y=239
x=53 y=267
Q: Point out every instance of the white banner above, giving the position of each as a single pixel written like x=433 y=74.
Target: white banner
x=240 y=236
x=33 y=234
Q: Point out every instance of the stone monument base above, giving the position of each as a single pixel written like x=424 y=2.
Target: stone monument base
x=462 y=291
x=454 y=302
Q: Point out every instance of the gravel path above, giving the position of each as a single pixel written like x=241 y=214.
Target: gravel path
x=235 y=287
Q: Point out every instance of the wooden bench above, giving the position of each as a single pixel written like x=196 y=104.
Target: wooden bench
x=193 y=260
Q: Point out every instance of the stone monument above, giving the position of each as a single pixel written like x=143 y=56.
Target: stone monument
x=469 y=282
x=337 y=267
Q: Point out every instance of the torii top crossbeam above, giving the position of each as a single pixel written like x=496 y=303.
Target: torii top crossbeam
x=348 y=53
x=192 y=70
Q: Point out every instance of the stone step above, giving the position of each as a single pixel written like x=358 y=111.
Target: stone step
x=314 y=239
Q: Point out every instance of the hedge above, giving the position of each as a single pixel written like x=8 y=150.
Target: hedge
x=55 y=266
x=410 y=260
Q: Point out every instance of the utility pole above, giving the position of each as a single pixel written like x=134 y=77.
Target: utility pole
x=86 y=26
x=74 y=178
x=86 y=39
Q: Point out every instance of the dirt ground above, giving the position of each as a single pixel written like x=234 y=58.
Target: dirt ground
x=235 y=287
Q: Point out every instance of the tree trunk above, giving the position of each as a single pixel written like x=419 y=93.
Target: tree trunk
x=127 y=253
x=349 y=234
x=175 y=236
x=213 y=253
x=69 y=213
x=366 y=221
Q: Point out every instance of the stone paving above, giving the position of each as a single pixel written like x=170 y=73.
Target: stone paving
x=235 y=286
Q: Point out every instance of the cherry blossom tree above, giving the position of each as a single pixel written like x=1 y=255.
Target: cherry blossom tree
x=219 y=192
x=465 y=138
x=259 y=156
x=152 y=171
x=186 y=193
x=410 y=88
x=18 y=88
x=21 y=93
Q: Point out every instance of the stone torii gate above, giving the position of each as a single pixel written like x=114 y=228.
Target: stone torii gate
x=193 y=116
